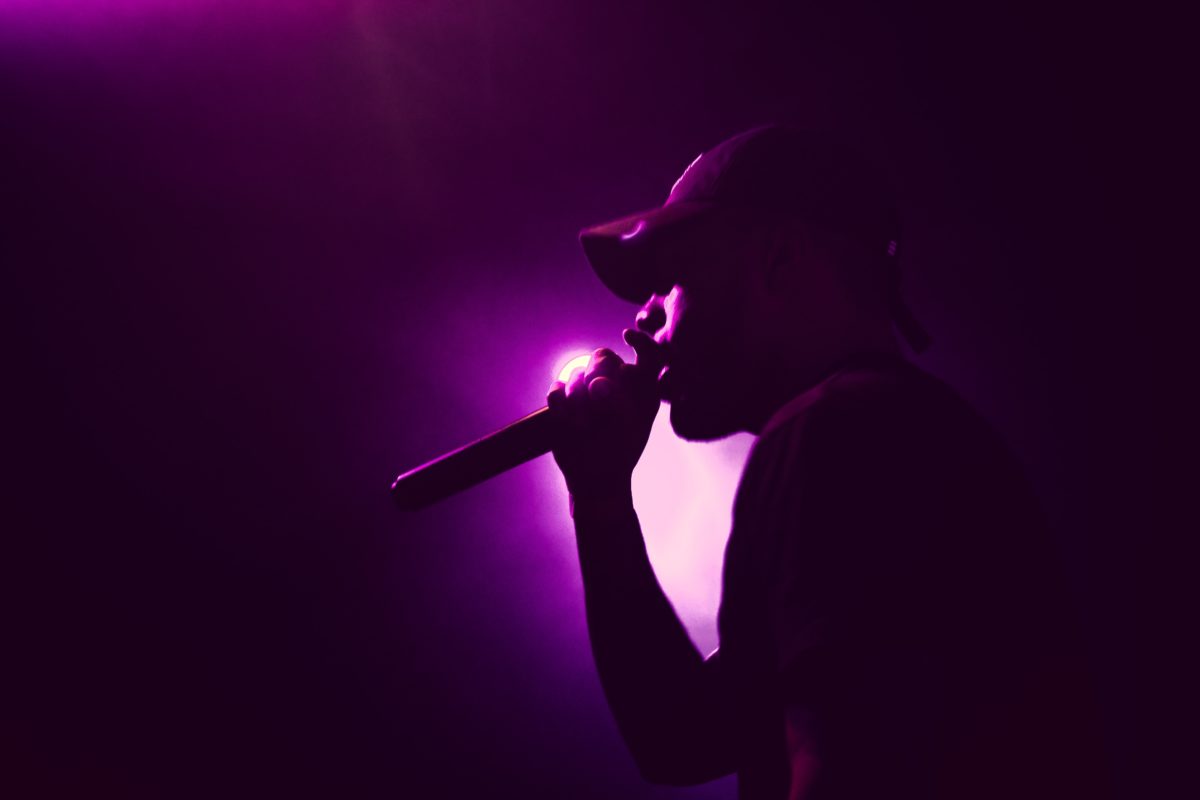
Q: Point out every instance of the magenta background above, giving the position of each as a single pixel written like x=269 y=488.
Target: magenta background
x=259 y=258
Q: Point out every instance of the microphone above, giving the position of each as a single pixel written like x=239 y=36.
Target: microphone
x=511 y=446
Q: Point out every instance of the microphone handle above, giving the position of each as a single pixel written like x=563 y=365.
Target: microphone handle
x=514 y=444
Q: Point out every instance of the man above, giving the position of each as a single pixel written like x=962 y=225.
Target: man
x=892 y=623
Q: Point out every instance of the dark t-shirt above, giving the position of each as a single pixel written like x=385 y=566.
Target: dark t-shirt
x=890 y=584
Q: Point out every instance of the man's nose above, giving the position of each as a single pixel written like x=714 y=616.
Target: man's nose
x=652 y=316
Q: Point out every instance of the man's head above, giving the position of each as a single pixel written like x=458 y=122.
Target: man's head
x=771 y=260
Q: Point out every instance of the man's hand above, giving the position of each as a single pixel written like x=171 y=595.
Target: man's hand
x=605 y=415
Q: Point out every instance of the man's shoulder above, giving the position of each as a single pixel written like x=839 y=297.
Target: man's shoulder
x=882 y=423
x=870 y=395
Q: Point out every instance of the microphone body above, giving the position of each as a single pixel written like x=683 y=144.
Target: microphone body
x=512 y=445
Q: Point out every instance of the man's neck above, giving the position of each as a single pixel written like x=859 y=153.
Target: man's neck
x=781 y=386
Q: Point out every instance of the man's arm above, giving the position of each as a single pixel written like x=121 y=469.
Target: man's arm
x=667 y=701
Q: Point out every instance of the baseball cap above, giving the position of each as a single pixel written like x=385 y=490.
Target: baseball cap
x=773 y=169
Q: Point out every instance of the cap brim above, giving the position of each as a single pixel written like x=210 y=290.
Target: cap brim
x=620 y=252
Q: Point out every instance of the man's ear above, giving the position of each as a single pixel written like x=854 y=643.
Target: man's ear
x=786 y=246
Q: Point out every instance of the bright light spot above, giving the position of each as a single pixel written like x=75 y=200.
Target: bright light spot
x=641 y=226
x=577 y=363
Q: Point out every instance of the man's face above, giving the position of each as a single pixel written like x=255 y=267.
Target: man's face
x=704 y=326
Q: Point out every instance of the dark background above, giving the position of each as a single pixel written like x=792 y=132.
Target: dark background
x=258 y=258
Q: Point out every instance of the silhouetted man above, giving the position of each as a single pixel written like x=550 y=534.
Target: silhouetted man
x=892 y=622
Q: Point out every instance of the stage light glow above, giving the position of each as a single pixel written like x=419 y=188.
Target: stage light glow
x=577 y=363
x=683 y=493
x=91 y=18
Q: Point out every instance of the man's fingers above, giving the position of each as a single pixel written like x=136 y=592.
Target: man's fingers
x=649 y=352
x=604 y=362
x=597 y=395
x=601 y=390
x=557 y=394
x=572 y=407
x=577 y=383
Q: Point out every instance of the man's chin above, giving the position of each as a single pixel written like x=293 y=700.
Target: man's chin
x=694 y=424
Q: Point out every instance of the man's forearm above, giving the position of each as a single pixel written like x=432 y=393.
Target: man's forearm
x=653 y=676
